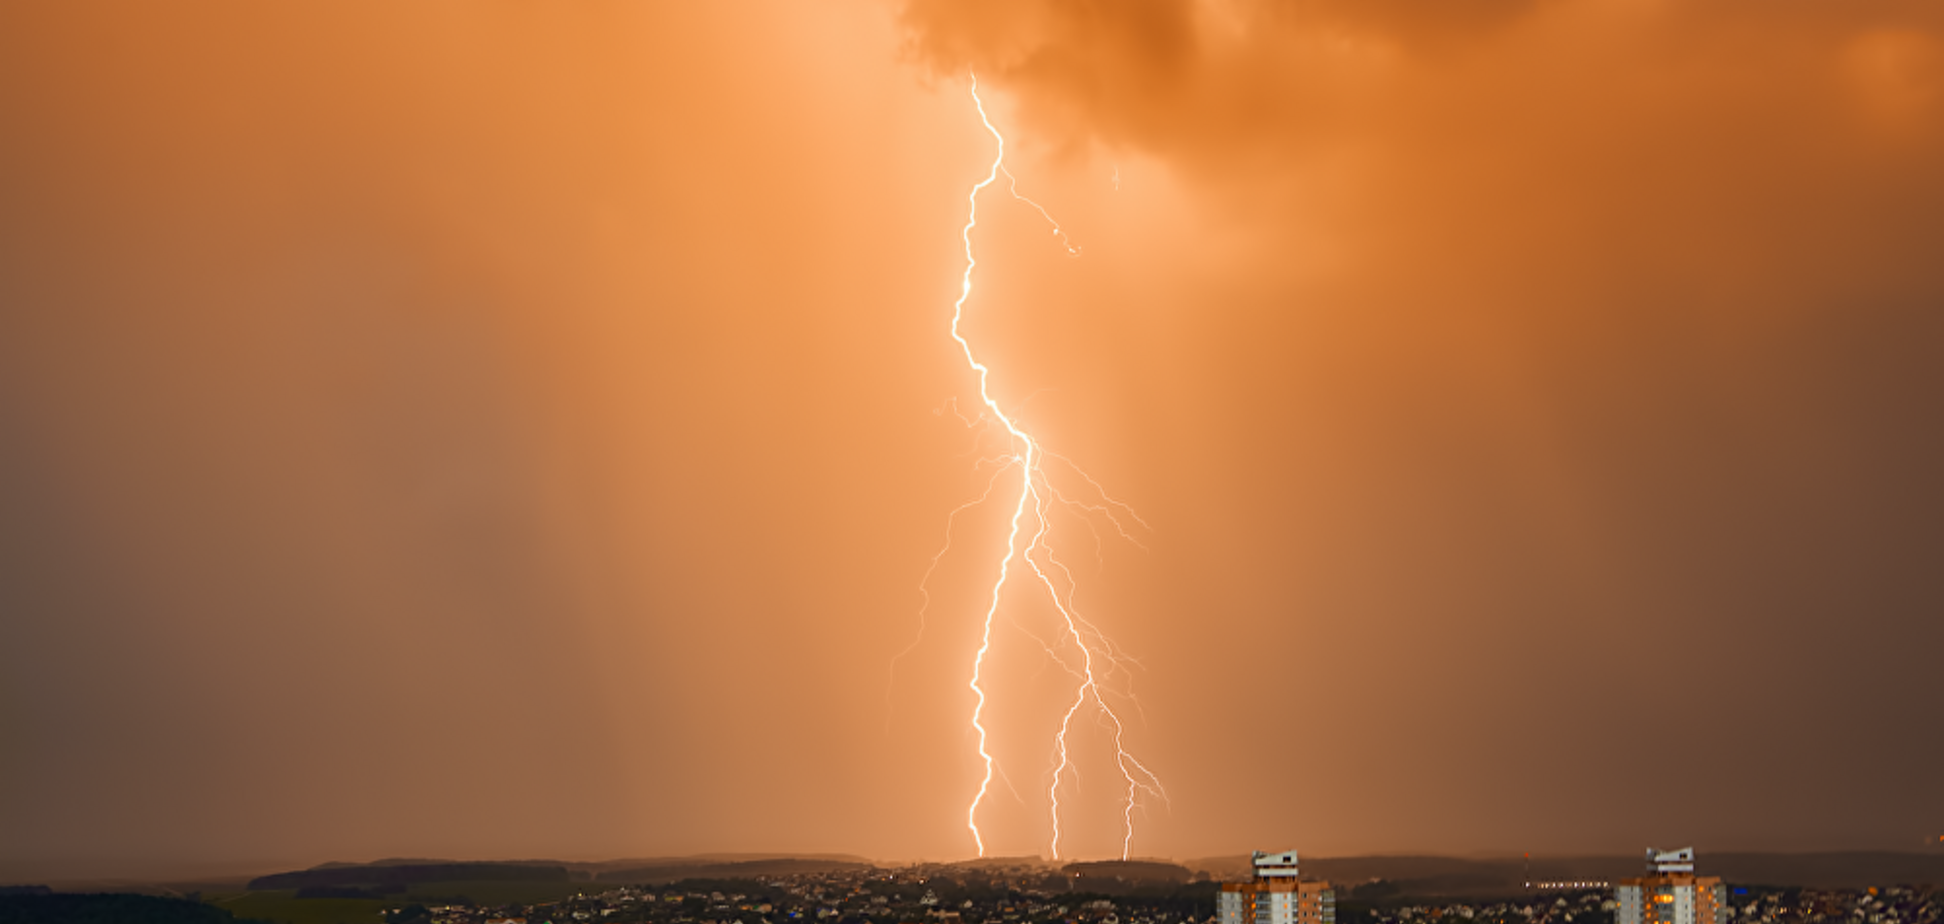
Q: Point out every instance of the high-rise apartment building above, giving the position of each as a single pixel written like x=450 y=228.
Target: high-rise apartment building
x=1671 y=893
x=1276 y=894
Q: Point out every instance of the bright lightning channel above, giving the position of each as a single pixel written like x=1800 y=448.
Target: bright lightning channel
x=1037 y=495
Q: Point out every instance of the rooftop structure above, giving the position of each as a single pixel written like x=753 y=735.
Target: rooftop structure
x=1671 y=861
x=1271 y=865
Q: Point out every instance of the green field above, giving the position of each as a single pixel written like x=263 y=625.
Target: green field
x=284 y=907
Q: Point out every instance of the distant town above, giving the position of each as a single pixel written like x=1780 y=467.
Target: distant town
x=1020 y=896
x=1669 y=890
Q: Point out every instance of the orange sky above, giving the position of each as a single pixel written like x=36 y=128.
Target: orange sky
x=489 y=430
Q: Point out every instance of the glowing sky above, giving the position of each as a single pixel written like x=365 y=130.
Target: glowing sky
x=492 y=429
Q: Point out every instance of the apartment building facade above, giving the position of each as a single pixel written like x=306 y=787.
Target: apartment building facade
x=1276 y=894
x=1671 y=893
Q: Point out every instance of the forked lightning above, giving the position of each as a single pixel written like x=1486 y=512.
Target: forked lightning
x=1037 y=496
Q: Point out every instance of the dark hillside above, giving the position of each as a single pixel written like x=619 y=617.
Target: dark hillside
x=407 y=874
x=743 y=869
x=111 y=908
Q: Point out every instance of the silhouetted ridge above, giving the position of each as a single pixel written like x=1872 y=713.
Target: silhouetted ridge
x=1130 y=870
x=405 y=874
x=743 y=869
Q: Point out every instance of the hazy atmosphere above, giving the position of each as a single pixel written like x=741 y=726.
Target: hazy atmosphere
x=495 y=430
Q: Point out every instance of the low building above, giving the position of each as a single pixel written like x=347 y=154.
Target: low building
x=1276 y=894
x=1671 y=893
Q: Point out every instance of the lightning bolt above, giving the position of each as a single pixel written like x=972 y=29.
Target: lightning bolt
x=1038 y=497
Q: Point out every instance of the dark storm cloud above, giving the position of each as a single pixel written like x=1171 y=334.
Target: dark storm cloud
x=1619 y=318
